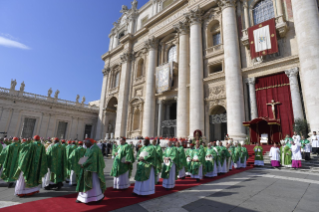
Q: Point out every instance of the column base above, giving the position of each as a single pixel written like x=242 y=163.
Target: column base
x=238 y=137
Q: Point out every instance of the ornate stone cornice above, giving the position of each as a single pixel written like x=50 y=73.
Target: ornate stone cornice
x=251 y=81
x=182 y=28
x=293 y=72
x=223 y=4
x=105 y=71
x=125 y=57
x=194 y=16
x=151 y=43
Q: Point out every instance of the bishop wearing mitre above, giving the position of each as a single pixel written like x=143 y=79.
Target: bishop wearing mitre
x=170 y=166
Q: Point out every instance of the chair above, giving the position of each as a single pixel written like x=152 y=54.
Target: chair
x=264 y=138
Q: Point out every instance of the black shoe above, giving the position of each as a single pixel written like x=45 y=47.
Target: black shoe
x=183 y=178
x=197 y=180
x=100 y=200
x=59 y=186
x=167 y=189
x=135 y=194
x=10 y=185
x=47 y=187
x=77 y=201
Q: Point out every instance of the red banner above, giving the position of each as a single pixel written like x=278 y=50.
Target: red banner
x=273 y=39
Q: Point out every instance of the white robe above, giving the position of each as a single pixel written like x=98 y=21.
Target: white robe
x=122 y=181
x=170 y=182
x=214 y=173
x=223 y=168
x=146 y=187
x=95 y=194
x=296 y=154
x=181 y=173
x=46 y=179
x=274 y=153
x=200 y=173
x=21 y=189
x=72 y=178
x=296 y=139
x=315 y=141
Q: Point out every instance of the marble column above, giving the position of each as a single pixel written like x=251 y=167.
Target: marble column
x=280 y=11
x=245 y=4
x=196 y=106
x=307 y=29
x=233 y=74
x=111 y=42
x=149 y=106
x=159 y=119
x=295 y=93
x=252 y=98
x=100 y=124
x=115 y=41
x=183 y=79
x=121 y=112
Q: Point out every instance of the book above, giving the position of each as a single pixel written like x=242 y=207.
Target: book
x=82 y=160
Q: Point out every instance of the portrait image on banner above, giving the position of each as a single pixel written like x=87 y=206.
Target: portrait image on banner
x=164 y=77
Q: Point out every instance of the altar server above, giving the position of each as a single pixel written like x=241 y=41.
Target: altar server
x=122 y=165
x=210 y=158
x=91 y=184
x=259 y=158
x=296 y=155
x=182 y=161
x=198 y=168
x=296 y=138
x=306 y=148
x=145 y=173
x=274 y=155
x=170 y=166
x=315 y=143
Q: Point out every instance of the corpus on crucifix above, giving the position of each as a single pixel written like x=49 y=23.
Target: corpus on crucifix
x=273 y=104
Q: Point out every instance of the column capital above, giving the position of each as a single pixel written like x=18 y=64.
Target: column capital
x=245 y=4
x=151 y=44
x=182 y=28
x=194 y=16
x=223 y=4
x=251 y=81
x=293 y=72
x=125 y=57
x=105 y=71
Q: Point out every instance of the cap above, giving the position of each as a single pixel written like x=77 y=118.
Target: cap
x=36 y=138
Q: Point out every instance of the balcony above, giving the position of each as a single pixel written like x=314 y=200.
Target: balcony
x=215 y=50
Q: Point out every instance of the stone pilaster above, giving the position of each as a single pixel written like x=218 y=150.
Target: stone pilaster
x=99 y=128
x=121 y=112
x=159 y=119
x=149 y=106
x=246 y=15
x=196 y=110
x=183 y=79
x=252 y=98
x=295 y=93
x=307 y=29
x=233 y=74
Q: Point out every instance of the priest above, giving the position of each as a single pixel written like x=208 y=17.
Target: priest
x=296 y=155
x=71 y=178
x=182 y=161
x=145 y=173
x=306 y=148
x=285 y=155
x=159 y=156
x=91 y=183
x=74 y=158
x=244 y=156
x=259 y=158
x=122 y=165
x=170 y=166
x=57 y=164
x=188 y=154
x=224 y=155
x=114 y=149
x=32 y=166
x=274 y=155
x=9 y=159
x=315 y=143
x=237 y=156
x=231 y=149
x=210 y=164
x=198 y=168
x=2 y=147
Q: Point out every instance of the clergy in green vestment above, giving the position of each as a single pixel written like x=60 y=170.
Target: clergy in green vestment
x=74 y=158
x=210 y=162
x=91 y=182
x=237 y=156
x=182 y=161
x=231 y=151
x=68 y=151
x=170 y=166
x=114 y=149
x=285 y=155
x=9 y=159
x=288 y=141
x=223 y=157
x=188 y=155
x=244 y=156
x=122 y=165
x=145 y=172
x=259 y=158
x=159 y=156
x=306 y=148
x=198 y=168
x=57 y=164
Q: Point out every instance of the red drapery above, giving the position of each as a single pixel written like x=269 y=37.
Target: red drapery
x=262 y=125
x=275 y=87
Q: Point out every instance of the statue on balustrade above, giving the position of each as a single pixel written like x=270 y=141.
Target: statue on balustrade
x=49 y=93
x=13 y=85
x=22 y=87
x=56 y=95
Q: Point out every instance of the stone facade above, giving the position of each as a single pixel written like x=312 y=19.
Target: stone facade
x=212 y=66
x=26 y=114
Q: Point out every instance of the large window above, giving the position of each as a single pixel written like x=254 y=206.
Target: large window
x=61 y=133
x=172 y=55
x=28 y=127
x=87 y=131
x=216 y=39
x=140 y=68
x=263 y=11
x=116 y=80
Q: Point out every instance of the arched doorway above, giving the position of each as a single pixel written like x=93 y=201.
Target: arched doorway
x=110 y=117
x=218 y=123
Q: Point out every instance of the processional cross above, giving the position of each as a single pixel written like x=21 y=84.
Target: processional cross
x=273 y=104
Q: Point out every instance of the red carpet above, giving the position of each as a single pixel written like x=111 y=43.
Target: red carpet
x=113 y=199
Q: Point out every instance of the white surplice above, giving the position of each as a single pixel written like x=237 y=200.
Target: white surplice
x=21 y=189
x=315 y=141
x=170 y=181
x=146 y=187
x=296 y=154
x=274 y=153
x=95 y=194
x=122 y=181
x=296 y=139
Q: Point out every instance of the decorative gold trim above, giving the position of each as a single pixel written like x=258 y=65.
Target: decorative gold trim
x=260 y=25
x=272 y=35
x=264 y=52
x=252 y=42
x=246 y=125
x=273 y=86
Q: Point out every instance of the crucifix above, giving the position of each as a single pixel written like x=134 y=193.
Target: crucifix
x=273 y=104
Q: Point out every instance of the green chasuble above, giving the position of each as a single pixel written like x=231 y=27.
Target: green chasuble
x=68 y=150
x=210 y=164
x=244 y=153
x=258 y=150
x=303 y=143
x=74 y=159
x=124 y=154
x=182 y=158
x=94 y=163
x=231 y=151
x=9 y=159
x=144 y=167
x=1 y=147
x=159 y=156
x=57 y=163
x=221 y=155
x=288 y=141
x=237 y=154
x=200 y=155
x=114 y=149
x=285 y=155
x=172 y=153
x=188 y=153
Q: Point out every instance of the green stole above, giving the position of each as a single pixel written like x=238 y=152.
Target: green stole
x=200 y=153
x=210 y=164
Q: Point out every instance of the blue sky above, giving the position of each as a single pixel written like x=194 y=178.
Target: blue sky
x=56 y=43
